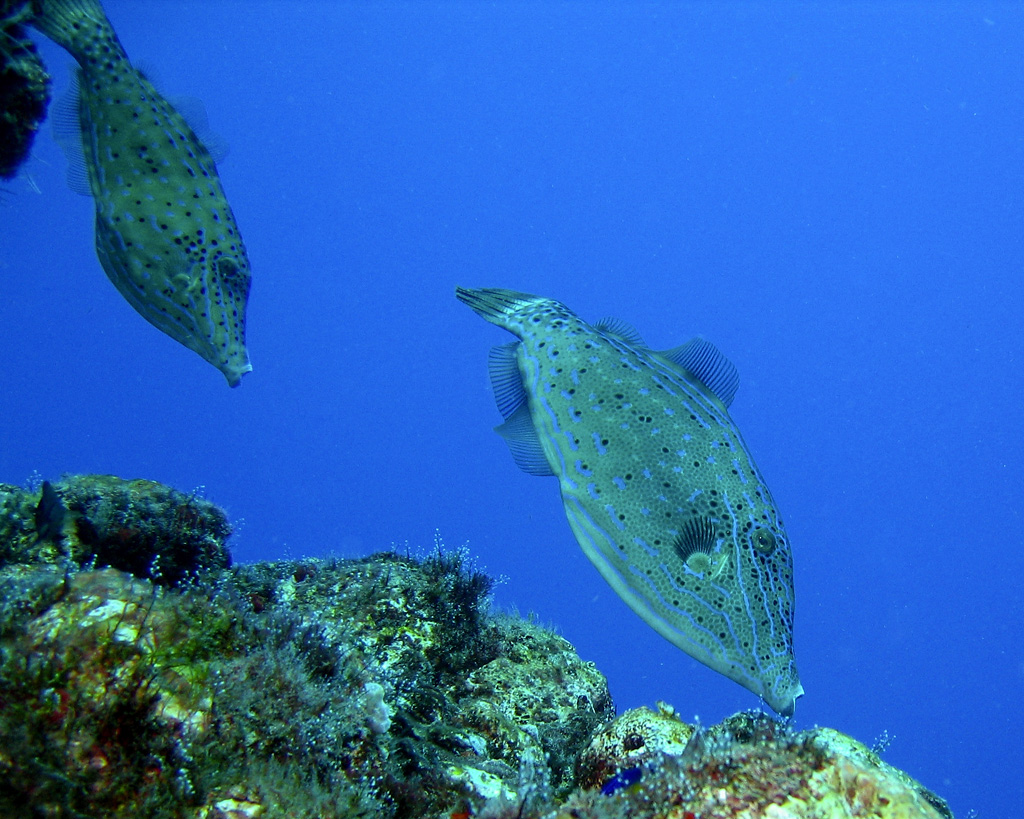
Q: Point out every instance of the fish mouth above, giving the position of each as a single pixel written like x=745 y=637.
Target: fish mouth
x=785 y=705
x=234 y=373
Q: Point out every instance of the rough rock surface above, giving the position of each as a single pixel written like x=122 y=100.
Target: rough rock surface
x=96 y=521
x=146 y=677
x=24 y=87
x=750 y=766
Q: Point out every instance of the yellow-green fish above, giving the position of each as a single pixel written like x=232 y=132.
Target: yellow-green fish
x=656 y=481
x=165 y=234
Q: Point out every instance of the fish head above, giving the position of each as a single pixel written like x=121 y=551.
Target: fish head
x=219 y=289
x=729 y=576
x=764 y=577
x=717 y=583
x=198 y=299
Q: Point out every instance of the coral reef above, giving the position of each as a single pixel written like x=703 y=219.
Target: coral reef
x=636 y=737
x=479 y=704
x=383 y=686
x=24 y=87
x=141 y=527
x=750 y=766
x=121 y=698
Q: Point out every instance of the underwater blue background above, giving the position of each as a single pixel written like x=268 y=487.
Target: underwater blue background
x=832 y=193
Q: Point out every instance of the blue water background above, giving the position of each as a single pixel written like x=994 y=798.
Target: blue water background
x=833 y=194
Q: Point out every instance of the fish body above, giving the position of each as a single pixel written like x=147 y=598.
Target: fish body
x=656 y=481
x=165 y=234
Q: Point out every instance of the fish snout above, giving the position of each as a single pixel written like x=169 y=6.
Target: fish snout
x=784 y=702
x=233 y=371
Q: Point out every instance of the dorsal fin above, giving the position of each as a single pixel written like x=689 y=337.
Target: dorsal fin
x=704 y=362
x=193 y=111
x=149 y=72
x=506 y=382
x=524 y=443
x=67 y=133
x=621 y=329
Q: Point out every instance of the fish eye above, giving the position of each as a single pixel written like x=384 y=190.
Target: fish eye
x=227 y=269
x=763 y=541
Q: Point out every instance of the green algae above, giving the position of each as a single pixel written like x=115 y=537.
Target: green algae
x=124 y=698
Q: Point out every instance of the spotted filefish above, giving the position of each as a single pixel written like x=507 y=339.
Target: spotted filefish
x=165 y=234
x=657 y=483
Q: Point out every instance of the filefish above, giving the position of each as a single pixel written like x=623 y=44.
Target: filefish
x=49 y=515
x=656 y=481
x=165 y=234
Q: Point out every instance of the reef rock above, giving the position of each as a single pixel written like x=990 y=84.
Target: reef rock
x=383 y=686
x=24 y=87
x=96 y=521
x=142 y=675
x=750 y=766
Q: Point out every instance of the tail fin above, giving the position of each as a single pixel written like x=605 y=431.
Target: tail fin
x=494 y=303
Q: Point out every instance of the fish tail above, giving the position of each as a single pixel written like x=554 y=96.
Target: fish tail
x=72 y=24
x=497 y=305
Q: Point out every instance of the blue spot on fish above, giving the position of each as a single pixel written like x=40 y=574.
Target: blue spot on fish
x=623 y=779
